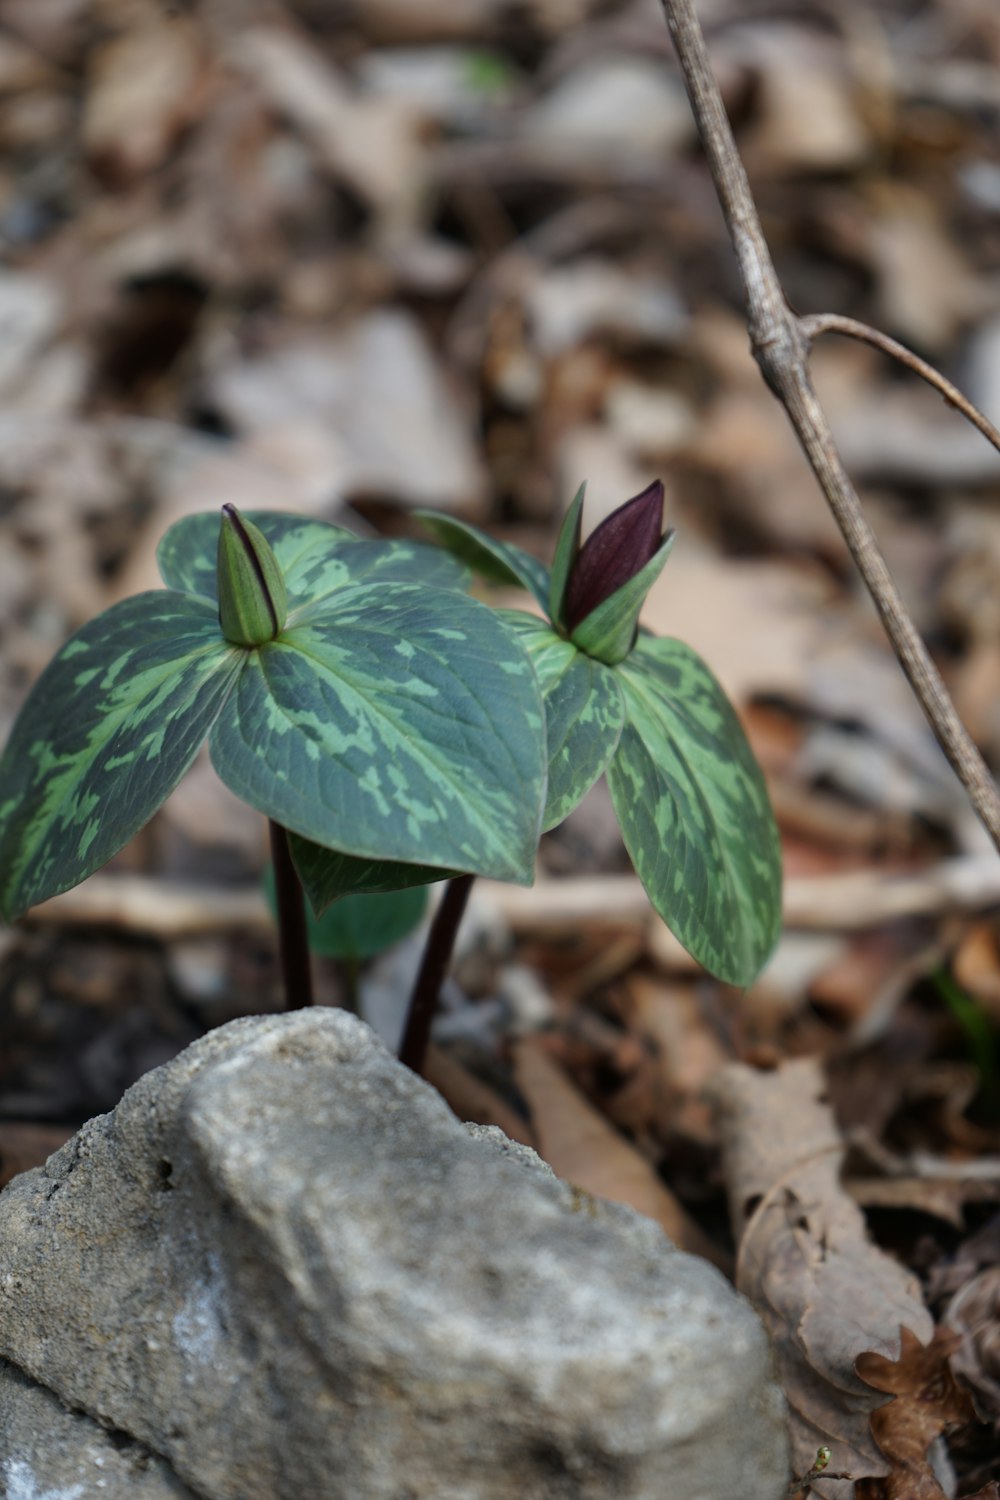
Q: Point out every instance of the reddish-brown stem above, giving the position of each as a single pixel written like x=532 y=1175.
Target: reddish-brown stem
x=433 y=966
x=293 y=939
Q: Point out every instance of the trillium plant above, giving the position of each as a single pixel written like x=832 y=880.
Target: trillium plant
x=396 y=732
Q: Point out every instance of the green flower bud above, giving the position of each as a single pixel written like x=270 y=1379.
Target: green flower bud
x=253 y=603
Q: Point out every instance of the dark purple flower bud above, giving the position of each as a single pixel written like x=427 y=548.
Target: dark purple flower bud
x=620 y=548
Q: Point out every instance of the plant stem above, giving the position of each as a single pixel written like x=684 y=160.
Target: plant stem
x=780 y=342
x=293 y=941
x=433 y=966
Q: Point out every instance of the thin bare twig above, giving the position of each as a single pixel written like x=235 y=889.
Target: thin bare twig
x=851 y=901
x=780 y=342
x=816 y=323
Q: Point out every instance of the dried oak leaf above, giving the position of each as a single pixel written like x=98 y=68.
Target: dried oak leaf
x=581 y=1146
x=974 y=1313
x=824 y=1291
x=927 y=1401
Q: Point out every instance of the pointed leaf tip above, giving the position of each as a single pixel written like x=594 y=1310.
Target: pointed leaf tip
x=619 y=549
x=253 y=602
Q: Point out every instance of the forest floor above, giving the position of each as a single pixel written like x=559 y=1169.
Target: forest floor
x=298 y=255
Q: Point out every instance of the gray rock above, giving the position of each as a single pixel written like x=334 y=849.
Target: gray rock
x=284 y=1267
x=50 y=1453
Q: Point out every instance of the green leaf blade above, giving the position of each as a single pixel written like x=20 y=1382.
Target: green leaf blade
x=498 y=562
x=316 y=559
x=315 y=576
x=584 y=713
x=406 y=724
x=327 y=875
x=694 y=811
x=362 y=925
x=567 y=547
x=106 y=734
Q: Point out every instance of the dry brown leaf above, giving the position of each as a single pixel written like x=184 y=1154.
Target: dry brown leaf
x=145 y=87
x=24 y=1145
x=927 y=1402
x=377 y=391
x=471 y=1098
x=976 y=966
x=974 y=1314
x=825 y=1292
x=784 y=600
x=580 y=1146
x=807 y=109
x=927 y=287
x=942 y=1199
x=374 y=144
x=688 y=1052
x=863 y=973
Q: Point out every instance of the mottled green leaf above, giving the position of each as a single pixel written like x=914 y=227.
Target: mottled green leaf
x=566 y=551
x=608 y=631
x=499 y=562
x=694 y=811
x=312 y=579
x=327 y=874
x=106 y=734
x=186 y=555
x=404 y=724
x=315 y=558
x=360 y=926
x=583 y=713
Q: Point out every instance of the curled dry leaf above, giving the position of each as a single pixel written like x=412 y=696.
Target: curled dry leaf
x=580 y=1146
x=974 y=1314
x=825 y=1292
x=471 y=1098
x=927 y=1401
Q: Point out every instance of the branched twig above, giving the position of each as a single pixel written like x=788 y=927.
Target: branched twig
x=820 y=1470
x=816 y=323
x=780 y=342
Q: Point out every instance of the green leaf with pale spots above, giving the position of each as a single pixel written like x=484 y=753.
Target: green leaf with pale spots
x=315 y=558
x=694 y=811
x=584 y=713
x=326 y=875
x=499 y=562
x=583 y=717
x=108 y=731
x=312 y=579
x=186 y=555
x=403 y=724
